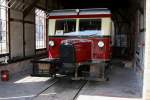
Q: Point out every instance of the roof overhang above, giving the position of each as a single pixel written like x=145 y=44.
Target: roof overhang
x=80 y=13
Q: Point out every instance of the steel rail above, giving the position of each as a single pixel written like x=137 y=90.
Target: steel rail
x=55 y=80
x=80 y=88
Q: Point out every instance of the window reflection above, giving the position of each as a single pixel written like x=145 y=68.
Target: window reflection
x=90 y=24
x=65 y=26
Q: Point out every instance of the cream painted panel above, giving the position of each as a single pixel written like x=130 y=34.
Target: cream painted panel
x=106 y=26
x=77 y=24
x=51 y=30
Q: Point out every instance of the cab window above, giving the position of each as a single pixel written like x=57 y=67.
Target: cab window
x=65 y=26
x=89 y=24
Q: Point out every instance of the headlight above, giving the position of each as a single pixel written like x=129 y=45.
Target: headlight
x=101 y=44
x=51 y=43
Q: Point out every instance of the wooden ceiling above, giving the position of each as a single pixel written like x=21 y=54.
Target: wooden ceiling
x=95 y=3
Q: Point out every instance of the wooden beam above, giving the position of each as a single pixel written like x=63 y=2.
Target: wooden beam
x=29 y=8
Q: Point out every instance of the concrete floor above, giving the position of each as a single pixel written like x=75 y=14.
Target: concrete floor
x=123 y=85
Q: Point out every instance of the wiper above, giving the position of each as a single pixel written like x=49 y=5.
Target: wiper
x=93 y=35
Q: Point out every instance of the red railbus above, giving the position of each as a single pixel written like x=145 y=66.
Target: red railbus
x=81 y=40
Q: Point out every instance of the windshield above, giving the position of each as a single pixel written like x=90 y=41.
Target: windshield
x=89 y=24
x=78 y=27
x=65 y=26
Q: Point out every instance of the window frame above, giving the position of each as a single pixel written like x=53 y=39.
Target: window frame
x=77 y=21
x=67 y=20
x=6 y=52
x=90 y=19
x=45 y=31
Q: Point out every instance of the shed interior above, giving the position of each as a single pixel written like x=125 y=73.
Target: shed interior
x=21 y=47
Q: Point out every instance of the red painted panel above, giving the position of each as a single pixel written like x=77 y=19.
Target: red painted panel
x=83 y=51
x=104 y=52
x=54 y=51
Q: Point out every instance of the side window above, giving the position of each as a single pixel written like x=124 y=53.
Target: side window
x=40 y=21
x=4 y=41
x=89 y=24
x=65 y=26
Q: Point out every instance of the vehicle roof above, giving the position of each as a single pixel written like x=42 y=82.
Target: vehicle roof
x=79 y=12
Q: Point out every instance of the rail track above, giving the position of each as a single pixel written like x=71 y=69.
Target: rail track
x=80 y=88
x=61 y=89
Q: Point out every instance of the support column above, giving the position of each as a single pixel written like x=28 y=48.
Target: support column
x=0 y=23
x=146 y=86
